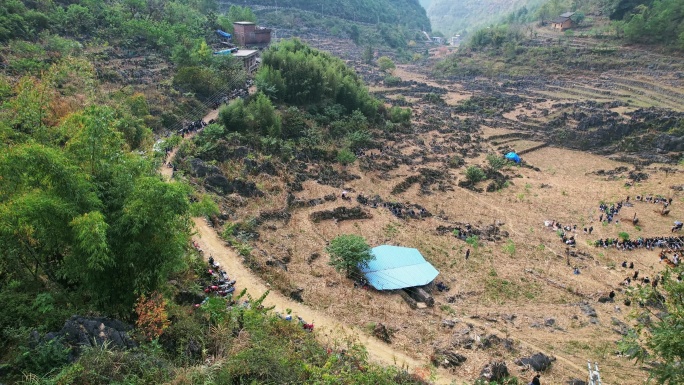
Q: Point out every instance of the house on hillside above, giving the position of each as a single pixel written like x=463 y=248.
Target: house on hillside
x=246 y=33
x=249 y=58
x=563 y=21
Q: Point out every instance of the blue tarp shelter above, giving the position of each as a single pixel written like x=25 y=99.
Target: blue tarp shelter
x=223 y=34
x=228 y=51
x=394 y=267
x=513 y=156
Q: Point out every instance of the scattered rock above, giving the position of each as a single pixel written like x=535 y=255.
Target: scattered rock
x=382 y=332
x=447 y=358
x=221 y=184
x=313 y=257
x=296 y=294
x=605 y=299
x=340 y=214
x=539 y=362
x=494 y=371
x=465 y=342
x=550 y=322
x=199 y=168
x=94 y=331
x=448 y=323
x=589 y=311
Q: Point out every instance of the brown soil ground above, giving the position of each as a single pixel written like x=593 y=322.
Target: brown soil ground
x=509 y=288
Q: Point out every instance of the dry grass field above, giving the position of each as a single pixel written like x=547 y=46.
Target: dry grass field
x=521 y=287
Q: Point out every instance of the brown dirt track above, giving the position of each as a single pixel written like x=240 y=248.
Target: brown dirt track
x=533 y=282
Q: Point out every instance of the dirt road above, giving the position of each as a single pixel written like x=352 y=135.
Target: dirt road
x=326 y=327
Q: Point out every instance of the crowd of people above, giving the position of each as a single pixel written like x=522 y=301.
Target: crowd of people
x=648 y=243
x=195 y=126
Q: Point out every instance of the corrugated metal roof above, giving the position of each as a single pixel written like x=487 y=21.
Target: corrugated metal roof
x=567 y=14
x=395 y=267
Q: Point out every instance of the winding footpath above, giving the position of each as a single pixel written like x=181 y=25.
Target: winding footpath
x=328 y=330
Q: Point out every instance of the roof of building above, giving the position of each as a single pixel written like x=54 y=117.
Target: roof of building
x=560 y=20
x=567 y=14
x=243 y=22
x=245 y=53
x=394 y=267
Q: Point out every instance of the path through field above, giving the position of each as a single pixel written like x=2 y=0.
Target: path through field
x=328 y=330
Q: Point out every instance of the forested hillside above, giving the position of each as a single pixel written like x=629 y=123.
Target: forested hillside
x=94 y=239
x=406 y=13
x=465 y=16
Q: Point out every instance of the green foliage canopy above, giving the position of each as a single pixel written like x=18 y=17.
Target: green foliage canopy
x=348 y=253
x=302 y=75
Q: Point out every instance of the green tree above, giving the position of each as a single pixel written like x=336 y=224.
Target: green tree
x=474 y=242
x=346 y=157
x=234 y=116
x=656 y=336
x=349 y=253
x=41 y=194
x=265 y=119
x=496 y=162
x=386 y=64
x=368 y=53
x=354 y=33
x=236 y=13
x=475 y=174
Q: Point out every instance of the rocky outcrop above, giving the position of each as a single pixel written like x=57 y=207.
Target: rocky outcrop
x=539 y=362
x=223 y=185
x=494 y=371
x=448 y=358
x=81 y=331
x=199 y=168
x=340 y=214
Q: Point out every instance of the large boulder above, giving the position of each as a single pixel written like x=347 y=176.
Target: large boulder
x=341 y=213
x=81 y=331
x=200 y=169
x=539 y=362
x=221 y=184
x=494 y=371
x=447 y=358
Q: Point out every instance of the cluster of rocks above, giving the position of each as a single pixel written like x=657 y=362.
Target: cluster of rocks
x=340 y=213
x=214 y=180
x=79 y=331
x=491 y=232
x=425 y=179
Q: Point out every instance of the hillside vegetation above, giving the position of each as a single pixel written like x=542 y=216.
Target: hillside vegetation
x=407 y=13
x=465 y=16
x=88 y=226
x=394 y=25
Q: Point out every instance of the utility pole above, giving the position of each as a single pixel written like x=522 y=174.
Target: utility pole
x=594 y=375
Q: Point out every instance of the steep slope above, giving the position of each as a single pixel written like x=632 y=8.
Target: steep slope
x=408 y=13
x=454 y=16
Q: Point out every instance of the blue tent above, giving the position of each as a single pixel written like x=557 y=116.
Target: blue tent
x=223 y=34
x=394 y=267
x=513 y=156
x=228 y=51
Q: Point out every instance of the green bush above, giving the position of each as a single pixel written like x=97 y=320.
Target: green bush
x=400 y=115
x=391 y=80
x=346 y=157
x=44 y=358
x=496 y=162
x=475 y=174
